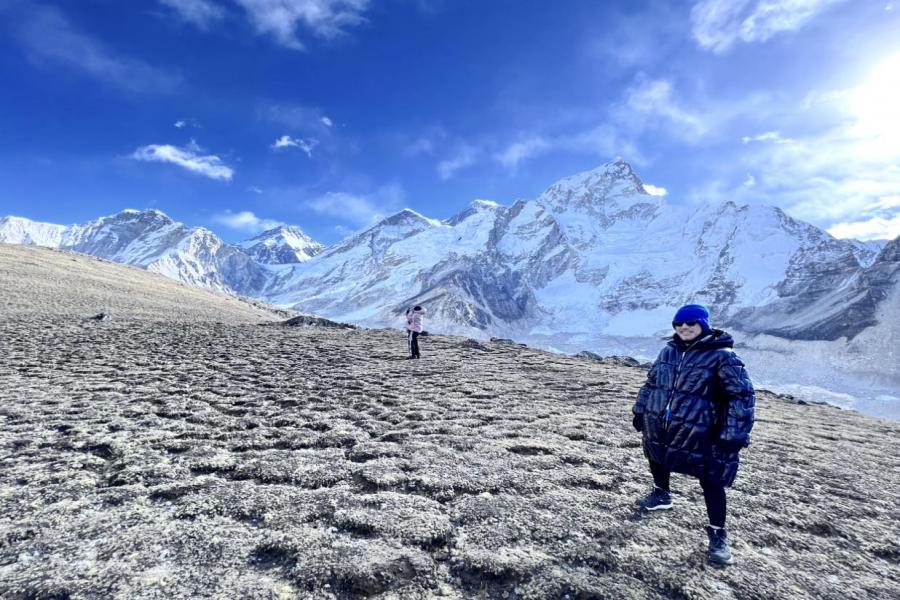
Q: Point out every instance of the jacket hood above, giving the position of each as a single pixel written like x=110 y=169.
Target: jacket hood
x=714 y=338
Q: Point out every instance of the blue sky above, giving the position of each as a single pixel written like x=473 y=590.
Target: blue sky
x=241 y=114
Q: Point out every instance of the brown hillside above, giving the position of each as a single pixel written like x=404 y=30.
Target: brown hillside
x=160 y=454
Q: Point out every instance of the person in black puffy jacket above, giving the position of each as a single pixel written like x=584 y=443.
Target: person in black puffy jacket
x=696 y=412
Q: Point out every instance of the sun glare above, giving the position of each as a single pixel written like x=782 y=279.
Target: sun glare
x=876 y=107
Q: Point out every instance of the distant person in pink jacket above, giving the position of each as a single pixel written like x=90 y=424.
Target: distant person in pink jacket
x=414 y=317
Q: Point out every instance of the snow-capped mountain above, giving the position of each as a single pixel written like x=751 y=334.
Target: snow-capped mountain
x=594 y=255
x=151 y=240
x=15 y=230
x=282 y=245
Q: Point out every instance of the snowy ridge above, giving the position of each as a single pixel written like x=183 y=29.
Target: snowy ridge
x=15 y=230
x=281 y=245
x=594 y=256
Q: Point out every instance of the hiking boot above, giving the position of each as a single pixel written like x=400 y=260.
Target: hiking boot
x=658 y=499
x=718 y=554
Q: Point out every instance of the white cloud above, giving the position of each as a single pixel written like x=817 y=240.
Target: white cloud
x=350 y=207
x=255 y=189
x=720 y=24
x=424 y=142
x=769 y=136
x=464 y=157
x=603 y=142
x=655 y=190
x=636 y=36
x=877 y=228
x=522 y=150
x=655 y=98
x=200 y=13
x=49 y=38
x=359 y=209
x=419 y=146
x=245 y=221
x=343 y=231
x=298 y=117
x=182 y=123
x=846 y=173
x=652 y=106
x=323 y=18
x=750 y=181
x=209 y=166
x=287 y=141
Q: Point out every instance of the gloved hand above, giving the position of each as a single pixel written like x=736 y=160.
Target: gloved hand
x=638 y=422
x=732 y=445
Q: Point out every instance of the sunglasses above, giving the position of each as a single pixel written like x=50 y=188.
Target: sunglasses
x=680 y=323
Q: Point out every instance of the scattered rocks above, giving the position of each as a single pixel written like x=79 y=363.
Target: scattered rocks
x=507 y=342
x=474 y=345
x=313 y=321
x=623 y=361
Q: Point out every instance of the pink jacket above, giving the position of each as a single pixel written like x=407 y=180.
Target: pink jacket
x=414 y=318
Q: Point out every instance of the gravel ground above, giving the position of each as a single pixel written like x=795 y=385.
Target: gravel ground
x=187 y=447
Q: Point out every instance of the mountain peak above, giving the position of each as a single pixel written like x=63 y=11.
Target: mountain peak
x=408 y=216
x=148 y=215
x=283 y=244
x=607 y=190
x=477 y=207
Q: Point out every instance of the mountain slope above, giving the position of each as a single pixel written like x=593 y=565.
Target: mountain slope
x=70 y=286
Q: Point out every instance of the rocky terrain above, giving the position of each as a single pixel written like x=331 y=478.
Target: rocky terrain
x=179 y=449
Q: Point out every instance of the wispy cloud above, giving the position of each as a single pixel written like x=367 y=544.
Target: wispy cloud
x=656 y=98
x=425 y=141
x=521 y=150
x=297 y=117
x=465 y=156
x=255 y=189
x=602 y=142
x=359 y=209
x=846 y=175
x=654 y=190
x=322 y=18
x=656 y=107
x=200 y=13
x=188 y=158
x=246 y=221
x=49 y=39
x=877 y=228
x=183 y=123
x=769 y=136
x=720 y=24
x=636 y=36
x=287 y=141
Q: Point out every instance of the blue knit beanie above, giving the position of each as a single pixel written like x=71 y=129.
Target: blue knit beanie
x=693 y=312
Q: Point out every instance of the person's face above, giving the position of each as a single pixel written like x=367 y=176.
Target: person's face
x=687 y=330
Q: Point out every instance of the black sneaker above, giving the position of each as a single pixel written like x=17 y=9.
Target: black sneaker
x=658 y=499
x=719 y=554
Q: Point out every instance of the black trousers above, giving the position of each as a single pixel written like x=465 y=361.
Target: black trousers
x=413 y=343
x=713 y=493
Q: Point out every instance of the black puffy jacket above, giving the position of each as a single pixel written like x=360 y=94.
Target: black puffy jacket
x=697 y=396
